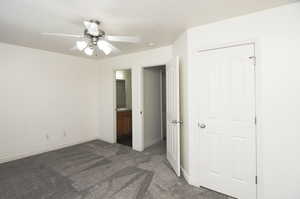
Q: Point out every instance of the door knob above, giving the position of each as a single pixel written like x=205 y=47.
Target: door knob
x=202 y=126
x=177 y=122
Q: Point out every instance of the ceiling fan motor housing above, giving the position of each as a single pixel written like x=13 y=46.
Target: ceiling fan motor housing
x=88 y=35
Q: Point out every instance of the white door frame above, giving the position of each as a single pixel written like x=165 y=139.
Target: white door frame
x=141 y=111
x=258 y=132
x=137 y=104
x=161 y=105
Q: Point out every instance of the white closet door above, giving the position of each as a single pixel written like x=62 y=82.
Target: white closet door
x=226 y=125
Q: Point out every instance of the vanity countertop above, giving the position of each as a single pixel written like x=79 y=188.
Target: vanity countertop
x=123 y=109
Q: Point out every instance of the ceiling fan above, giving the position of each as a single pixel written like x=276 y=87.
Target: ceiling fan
x=94 y=39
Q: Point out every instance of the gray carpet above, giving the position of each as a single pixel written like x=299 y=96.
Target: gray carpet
x=96 y=170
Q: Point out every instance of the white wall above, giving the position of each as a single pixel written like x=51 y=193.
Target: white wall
x=152 y=106
x=136 y=62
x=45 y=94
x=277 y=32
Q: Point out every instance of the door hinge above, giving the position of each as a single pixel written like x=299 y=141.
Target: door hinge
x=255 y=179
x=254 y=60
x=255 y=120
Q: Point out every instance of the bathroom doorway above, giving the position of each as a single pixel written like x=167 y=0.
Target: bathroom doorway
x=123 y=107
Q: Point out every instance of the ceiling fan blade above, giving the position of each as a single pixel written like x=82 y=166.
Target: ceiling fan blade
x=127 y=39
x=62 y=35
x=74 y=48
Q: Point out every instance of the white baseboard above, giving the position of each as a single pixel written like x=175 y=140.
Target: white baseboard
x=185 y=175
x=111 y=141
x=152 y=142
x=190 y=179
x=9 y=158
x=194 y=181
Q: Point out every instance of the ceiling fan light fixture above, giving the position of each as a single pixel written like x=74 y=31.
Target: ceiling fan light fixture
x=89 y=51
x=92 y=27
x=81 y=45
x=94 y=31
x=104 y=46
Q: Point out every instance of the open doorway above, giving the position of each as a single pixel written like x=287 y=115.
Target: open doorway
x=123 y=107
x=154 y=102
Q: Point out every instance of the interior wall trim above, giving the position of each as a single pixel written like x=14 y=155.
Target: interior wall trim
x=8 y=158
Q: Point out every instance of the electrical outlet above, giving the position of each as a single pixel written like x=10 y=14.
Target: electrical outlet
x=47 y=137
x=65 y=133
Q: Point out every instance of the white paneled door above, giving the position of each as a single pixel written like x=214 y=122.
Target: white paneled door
x=226 y=120
x=173 y=116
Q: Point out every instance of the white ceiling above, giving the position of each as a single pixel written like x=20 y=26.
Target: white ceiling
x=157 y=21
